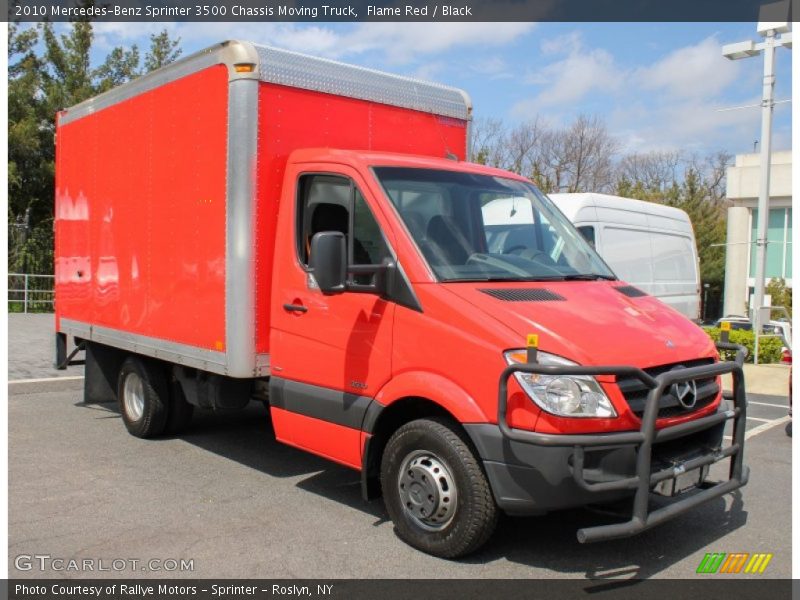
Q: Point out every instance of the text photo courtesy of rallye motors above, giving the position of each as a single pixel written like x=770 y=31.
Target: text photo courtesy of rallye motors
x=266 y=225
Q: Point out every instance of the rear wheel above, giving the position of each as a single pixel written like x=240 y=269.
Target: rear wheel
x=435 y=490
x=143 y=397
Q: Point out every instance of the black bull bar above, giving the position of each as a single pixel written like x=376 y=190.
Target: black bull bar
x=644 y=480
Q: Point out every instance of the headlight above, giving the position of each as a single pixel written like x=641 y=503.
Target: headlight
x=562 y=395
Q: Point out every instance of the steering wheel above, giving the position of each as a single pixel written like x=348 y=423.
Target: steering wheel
x=526 y=253
x=529 y=253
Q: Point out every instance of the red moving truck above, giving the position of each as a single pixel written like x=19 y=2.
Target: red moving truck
x=250 y=223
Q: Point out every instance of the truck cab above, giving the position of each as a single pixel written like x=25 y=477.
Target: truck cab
x=400 y=303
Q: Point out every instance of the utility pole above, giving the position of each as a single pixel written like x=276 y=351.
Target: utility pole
x=769 y=31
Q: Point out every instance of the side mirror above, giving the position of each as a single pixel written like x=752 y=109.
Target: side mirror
x=328 y=261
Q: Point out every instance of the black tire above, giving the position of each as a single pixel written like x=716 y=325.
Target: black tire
x=180 y=412
x=154 y=393
x=439 y=443
x=789 y=429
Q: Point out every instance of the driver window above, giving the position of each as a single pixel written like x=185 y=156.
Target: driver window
x=323 y=205
x=333 y=203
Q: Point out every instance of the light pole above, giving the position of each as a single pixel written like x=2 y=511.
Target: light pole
x=769 y=30
x=705 y=300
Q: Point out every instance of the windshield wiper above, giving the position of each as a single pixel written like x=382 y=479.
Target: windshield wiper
x=575 y=277
x=483 y=280
x=588 y=277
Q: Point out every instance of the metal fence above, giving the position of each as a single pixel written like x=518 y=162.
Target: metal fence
x=30 y=293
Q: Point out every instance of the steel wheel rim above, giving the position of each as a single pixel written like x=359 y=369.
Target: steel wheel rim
x=133 y=396
x=427 y=490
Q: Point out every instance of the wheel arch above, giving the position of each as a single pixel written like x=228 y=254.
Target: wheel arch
x=406 y=398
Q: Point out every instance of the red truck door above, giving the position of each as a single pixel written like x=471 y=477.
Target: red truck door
x=329 y=354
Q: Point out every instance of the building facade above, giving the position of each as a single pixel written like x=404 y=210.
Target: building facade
x=740 y=259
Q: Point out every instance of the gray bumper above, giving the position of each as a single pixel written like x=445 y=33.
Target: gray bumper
x=532 y=472
x=530 y=480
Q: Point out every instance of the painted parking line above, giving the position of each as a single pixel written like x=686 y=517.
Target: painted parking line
x=44 y=379
x=760 y=419
x=762 y=428
x=749 y=402
x=766 y=426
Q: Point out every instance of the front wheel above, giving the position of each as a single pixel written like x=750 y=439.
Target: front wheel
x=435 y=490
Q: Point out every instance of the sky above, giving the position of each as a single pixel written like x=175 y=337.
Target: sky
x=658 y=86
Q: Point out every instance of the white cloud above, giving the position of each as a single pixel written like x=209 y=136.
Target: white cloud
x=404 y=42
x=689 y=124
x=113 y=33
x=563 y=44
x=570 y=79
x=393 y=43
x=429 y=71
x=312 y=39
x=492 y=67
x=672 y=104
x=697 y=71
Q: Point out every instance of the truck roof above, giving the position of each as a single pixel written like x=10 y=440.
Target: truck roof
x=247 y=60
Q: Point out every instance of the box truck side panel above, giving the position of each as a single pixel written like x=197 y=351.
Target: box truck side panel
x=141 y=211
x=292 y=118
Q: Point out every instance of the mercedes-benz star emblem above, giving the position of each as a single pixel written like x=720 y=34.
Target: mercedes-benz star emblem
x=685 y=392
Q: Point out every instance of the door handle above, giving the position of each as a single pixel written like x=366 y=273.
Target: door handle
x=295 y=308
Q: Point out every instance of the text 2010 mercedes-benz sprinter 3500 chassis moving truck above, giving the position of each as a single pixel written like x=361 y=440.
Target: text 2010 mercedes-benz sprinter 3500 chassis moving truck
x=249 y=223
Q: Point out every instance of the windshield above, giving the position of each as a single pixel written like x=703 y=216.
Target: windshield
x=482 y=228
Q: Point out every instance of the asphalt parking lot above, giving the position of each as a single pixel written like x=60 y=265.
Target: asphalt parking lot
x=229 y=498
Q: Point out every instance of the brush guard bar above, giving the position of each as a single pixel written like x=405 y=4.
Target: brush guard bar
x=644 y=480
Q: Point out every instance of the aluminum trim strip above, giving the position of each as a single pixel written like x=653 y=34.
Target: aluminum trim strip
x=283 y=67
x=240 y=263
x=332 y=77
x=227 y=53
x=175 y=352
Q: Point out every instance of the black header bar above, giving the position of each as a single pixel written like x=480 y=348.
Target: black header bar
x=394 y=10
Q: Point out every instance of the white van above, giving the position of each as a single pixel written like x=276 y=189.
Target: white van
x=649 y=245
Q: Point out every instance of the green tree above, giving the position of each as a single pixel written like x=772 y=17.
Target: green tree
x=163 y=50
x=68 y=76
x=24 y=139
x=30 y=157
x=50 y=71
x=708 y=215
x=120 y=66
x=781 y=295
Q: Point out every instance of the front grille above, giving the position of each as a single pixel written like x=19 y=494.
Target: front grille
x=523 y=294
x=635 y=392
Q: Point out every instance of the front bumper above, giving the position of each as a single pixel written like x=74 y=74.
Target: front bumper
x=533 y=472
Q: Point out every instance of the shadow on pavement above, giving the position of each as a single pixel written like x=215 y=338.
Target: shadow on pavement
x=247 y=437
x=549 y=542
